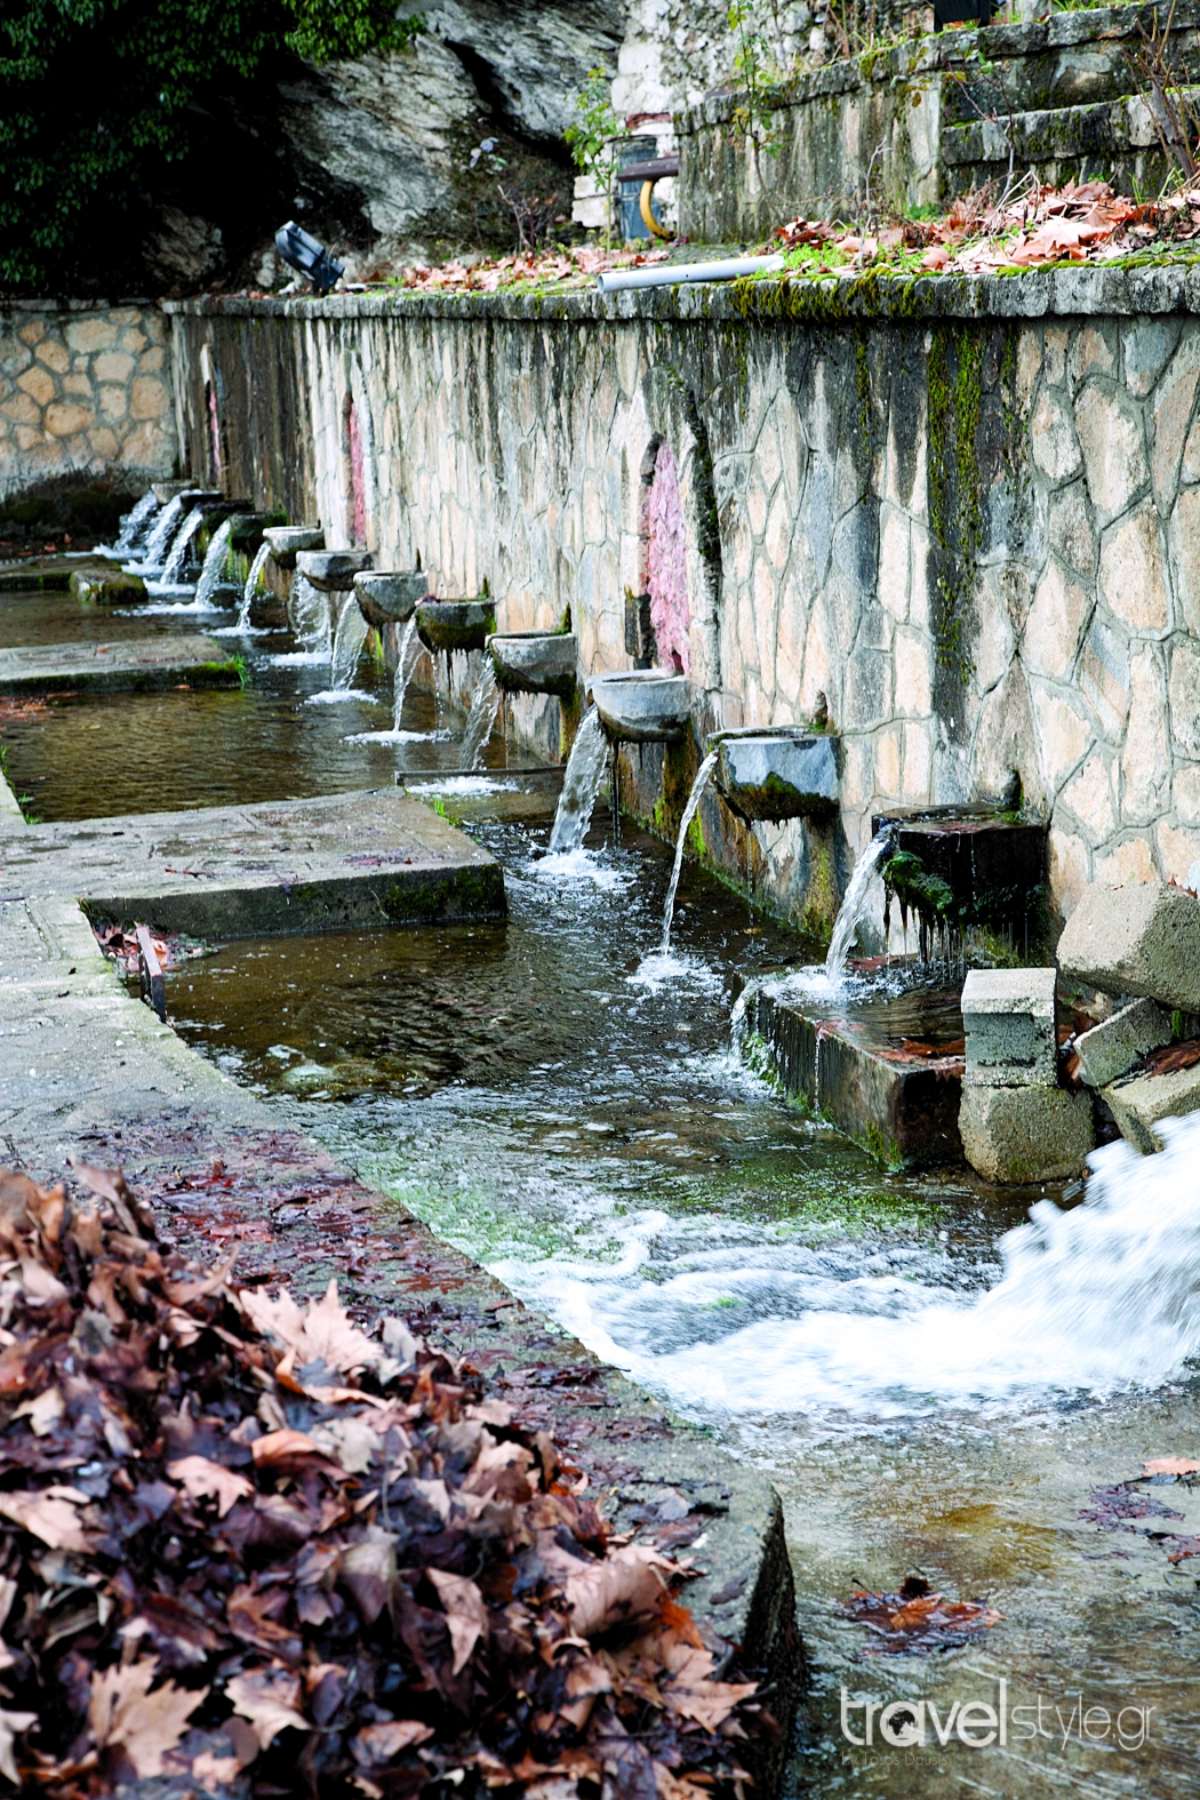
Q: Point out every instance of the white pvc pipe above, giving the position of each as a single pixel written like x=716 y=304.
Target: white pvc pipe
x=673 y=274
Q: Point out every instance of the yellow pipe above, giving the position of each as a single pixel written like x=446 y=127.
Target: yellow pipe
x=648 y=219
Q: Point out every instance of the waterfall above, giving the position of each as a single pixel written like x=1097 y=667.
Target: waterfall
x=854 y=905
x=403 y=672
x=181 y=546
x=161 y=536
x=310 y=617
x=212 y=575
x=703 y=774
x=1100 y=1298
x=135 y=524
x=581 y=785
x=253 y=579
x=485 y=704
x=349 y=636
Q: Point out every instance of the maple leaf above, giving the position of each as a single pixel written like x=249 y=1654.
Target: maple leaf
x=206 y=1480
x=145 y=1724
x=50 y=1515
x=269 y=1699
x=629 y=1583
x=465 y=1612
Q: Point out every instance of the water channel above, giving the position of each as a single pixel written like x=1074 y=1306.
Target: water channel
x=566 y=1106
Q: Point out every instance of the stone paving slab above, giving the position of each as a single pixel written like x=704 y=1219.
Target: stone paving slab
x=358 y=859
x=87 y=1071
x=139 y=665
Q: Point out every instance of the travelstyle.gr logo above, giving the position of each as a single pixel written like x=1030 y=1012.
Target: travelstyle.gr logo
x=984 y=1724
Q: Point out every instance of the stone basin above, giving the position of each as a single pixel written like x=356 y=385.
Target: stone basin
x=167 y=490
x=193 y=496
x=333 y=571
x=642 y=706
x=246 y=530
x=390 y=596
x=778 y=773
x=287 y=540
x=456 y=624
x=535 y=662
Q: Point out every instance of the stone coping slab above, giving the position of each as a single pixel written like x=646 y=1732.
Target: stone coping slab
x=1064 y=291
x=87 y=1071
x=139 y=665
x=358 y=859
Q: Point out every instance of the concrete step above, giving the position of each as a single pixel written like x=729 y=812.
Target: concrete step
x=1105 y=140
x=137 y=666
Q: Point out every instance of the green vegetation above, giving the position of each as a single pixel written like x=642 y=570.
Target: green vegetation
x=593 y=129
x=99 y=95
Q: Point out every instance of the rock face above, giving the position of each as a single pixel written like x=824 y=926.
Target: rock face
x=1142 y=939
x=382 y=147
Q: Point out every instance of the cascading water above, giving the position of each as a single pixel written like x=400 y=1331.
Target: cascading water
x=349 y=636
x=310 y=619
x=404 y=669
x=703 y=776
x=485 y=704
x=853 y=909
x=171 y=580
x=212 y=576
x=581 y=786
x=161 y=537
x=253 y=581
x=1097 y=1299
x=135 y=525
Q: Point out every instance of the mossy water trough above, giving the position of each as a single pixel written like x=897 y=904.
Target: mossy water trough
x=389 y=596
x=643 y=706
x=447 y=625
x=333 y=571
x=107 y=587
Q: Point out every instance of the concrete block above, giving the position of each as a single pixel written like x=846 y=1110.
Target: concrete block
x=1142 y=939
x=1016 y=1135
x=1009 y=1023
x=1138 y=1106
x=1109 y=1050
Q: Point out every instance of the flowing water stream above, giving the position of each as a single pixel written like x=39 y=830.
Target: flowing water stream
x=171 y=581
x=935 y=1378
x=161 y=537
x=254 y=575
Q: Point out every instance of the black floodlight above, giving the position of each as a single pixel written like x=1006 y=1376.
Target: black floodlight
x=301 y=251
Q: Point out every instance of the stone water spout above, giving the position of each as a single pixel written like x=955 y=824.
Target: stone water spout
x=287 y=541
x=333 y=571
x=535 y=662
x=642 y=706
x=449 y=625
x=389 y=596
x=781 y=772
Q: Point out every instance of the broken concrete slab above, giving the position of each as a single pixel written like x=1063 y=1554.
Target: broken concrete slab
x=1142 y=939
x=137 y=666
x=1110 y=1049
x=1012 y=1136
x=1009 y=1024
x=107 y=587
x=1139 y=1106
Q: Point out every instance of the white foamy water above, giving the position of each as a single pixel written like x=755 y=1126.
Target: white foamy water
x=1097 y=1299
x=581 y=785
x=672 y=968
x=570 y=867
x=335 y=696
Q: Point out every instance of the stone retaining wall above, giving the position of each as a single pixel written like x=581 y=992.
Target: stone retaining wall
x=914 y=124
x=84 y=390
x=967 y=512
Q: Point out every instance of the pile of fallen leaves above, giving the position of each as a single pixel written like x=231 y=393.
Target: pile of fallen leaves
x=568 y=267
x=1079 y=222
x=256 y=1550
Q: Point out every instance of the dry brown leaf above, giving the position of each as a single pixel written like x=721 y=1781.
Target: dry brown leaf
x=628 y=1584
x=205 y=1480
x=269 y=1699
x=55 y=1520
x=145 y=1724
x=466 y=1613
x=11 y=1725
